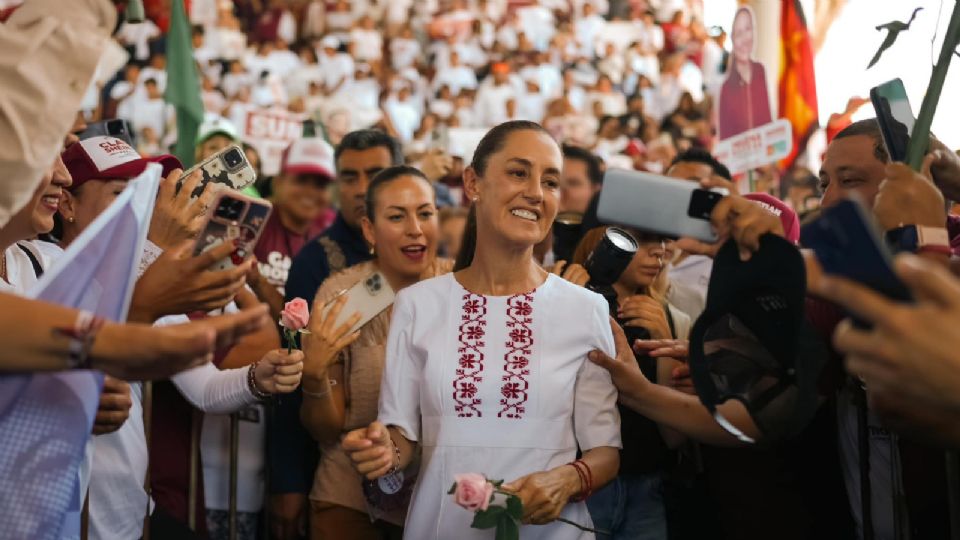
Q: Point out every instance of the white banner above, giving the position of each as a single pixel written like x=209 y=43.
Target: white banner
x=756 y=147
x=270 y=131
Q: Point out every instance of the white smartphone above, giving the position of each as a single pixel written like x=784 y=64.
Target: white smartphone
x=652 y=203
x=369 y=297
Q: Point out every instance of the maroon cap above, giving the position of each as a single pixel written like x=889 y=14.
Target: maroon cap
x=109 y=158
x=791 y=223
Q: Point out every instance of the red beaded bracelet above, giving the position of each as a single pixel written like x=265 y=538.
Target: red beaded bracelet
x=586 y=480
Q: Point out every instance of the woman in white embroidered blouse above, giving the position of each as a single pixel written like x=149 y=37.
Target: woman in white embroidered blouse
x=487 y=368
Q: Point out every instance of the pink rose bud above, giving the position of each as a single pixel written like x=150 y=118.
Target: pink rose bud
x=295 y=315
x=473 y=492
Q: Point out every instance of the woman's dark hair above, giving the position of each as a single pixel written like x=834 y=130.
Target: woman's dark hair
x=383 y=178
x=490 y=144
x=496 y=139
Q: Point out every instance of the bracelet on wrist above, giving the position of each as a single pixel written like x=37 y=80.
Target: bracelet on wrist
x=81 y=336
x=330 y=384
x=396 y=451
x=252 y=383
x=586 y=480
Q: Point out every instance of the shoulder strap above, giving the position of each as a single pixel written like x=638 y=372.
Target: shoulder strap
x=673 y=325
x=37 y=269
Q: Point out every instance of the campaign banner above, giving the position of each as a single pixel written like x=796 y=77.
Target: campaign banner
x=270 y=131
x=756 y=147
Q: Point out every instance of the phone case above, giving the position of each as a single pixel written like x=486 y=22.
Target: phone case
x=215 y=169
x=848 y=244
x=894 y=116
x=368 y=297
x=653 y=203
x=246 y=228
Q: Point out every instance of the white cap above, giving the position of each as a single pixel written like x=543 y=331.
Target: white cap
x=330 y=42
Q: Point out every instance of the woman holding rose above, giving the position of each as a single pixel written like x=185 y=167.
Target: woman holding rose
x=487 y=368
x=343 y=371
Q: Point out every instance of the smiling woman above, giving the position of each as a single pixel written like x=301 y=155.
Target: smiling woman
x=487 y=368
x=343 y=371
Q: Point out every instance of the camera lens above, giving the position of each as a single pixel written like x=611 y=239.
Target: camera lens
x=233 y=158
x=230 y=209
x=611 y=257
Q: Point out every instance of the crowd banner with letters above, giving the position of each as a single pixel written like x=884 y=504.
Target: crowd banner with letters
x=270 y=131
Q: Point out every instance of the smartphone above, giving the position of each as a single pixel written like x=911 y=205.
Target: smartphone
x=369 y=297
x=228 y=167
x=848 y=244
x=235 y=218
x=894 y=116
x=115 y=127
x=658 y=204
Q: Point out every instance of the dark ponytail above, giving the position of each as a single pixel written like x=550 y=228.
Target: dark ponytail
x=490 y=144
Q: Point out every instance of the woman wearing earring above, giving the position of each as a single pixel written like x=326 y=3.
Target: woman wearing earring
x=343 y=371
x=487 y=369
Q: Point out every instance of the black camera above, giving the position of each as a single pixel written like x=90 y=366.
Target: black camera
x=233 y=158
x=230 y=209
x=605 y=265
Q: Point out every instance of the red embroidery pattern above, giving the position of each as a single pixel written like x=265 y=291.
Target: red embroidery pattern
x=517 y=360
x=469 y=374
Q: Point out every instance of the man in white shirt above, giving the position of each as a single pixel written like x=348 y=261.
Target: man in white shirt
x=403 y=115
x=493 y=95
x=366 y=41
x=404 y=50
x=588 y=29
x=337 y=67
x=531 y=105
x=157 y=70
x=456 y=76
x=152 y=111
x=138 y=36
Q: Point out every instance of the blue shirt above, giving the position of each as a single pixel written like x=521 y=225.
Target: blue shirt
x=291 y=451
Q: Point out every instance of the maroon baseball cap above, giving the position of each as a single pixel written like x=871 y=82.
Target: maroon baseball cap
x=109 y=158
x=791 y=223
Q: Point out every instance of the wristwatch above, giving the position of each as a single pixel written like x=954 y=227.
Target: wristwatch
x=919 y=239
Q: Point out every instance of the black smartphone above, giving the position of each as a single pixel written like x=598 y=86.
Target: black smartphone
x=115 y=127
x=848 y=244
x=894 y=116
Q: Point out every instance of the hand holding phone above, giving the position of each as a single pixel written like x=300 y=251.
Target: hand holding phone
x=848 y=244
x=658 y=204
x=235 y=218
x=228 y=167
x=368 y=297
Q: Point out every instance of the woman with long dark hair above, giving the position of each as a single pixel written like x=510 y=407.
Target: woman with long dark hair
x=487 y=368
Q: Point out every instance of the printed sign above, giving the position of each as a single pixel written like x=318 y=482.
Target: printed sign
x=756 y=147
x=270 y=131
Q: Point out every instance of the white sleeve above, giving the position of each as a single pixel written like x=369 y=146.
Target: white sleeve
x=596 y=420
x=214 y=391
x=400 y=386
x=151 y=252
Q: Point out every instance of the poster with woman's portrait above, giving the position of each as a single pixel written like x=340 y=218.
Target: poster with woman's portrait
x=744 y=100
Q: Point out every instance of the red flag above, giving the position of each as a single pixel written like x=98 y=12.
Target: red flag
x=797 y=88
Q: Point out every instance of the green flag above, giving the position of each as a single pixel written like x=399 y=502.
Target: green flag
x=183 y=83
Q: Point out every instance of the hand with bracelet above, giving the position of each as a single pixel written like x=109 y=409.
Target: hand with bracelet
x=322 y=343
x=278 y=372
x=544 y=494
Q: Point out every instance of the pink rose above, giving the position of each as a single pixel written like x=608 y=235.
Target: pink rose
x=473 y=492
x=295 y=315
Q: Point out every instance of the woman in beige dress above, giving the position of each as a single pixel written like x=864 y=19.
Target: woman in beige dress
x=342 y=371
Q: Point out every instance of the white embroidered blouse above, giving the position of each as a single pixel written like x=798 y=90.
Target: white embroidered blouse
x=496 y=385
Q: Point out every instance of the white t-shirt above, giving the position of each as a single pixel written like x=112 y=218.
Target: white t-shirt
x=457 y=78
x=692 y=276
x=367 y=44
x=531 y=106
x=587 y=31
x=283 y=62
x=337 y=68
x=404 y=117
x=492 y=104
x=139 y=35
x=404 y=52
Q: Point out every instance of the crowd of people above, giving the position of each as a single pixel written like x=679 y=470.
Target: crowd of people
x=500 y=354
